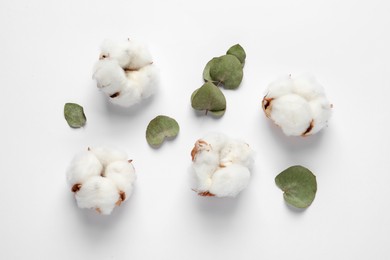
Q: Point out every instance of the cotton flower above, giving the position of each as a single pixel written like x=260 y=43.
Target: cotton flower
x=101 y=178
x=125 y=72
x=298 y=105
x=221 y=166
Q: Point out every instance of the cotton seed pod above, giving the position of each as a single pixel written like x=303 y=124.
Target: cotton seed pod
x=125 y=72
x=298 y=105
x=101 y=178
x=221 y=166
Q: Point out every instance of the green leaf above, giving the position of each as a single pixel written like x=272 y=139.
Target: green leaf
x=237 y=51
x=159 y=128
x=193 y=94
x=74 y=115
x=299 y=185
x=210 y=98
x=218 y=113
x=206 y=71
x=227 y=69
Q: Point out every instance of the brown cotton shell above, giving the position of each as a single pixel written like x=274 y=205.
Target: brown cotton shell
x=196 y=148
x=206 y=194
x=267 y=106
x=122 y=197
x=116 y=94
x=308 y=130
x=76 y=187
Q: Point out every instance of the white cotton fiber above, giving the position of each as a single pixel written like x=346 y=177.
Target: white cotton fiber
x=98 y=193
x=221 y=166
x=230 y=180
x=107 y=155
x=110 y=77
x=292 y=113
x=236 y=152
x=122 y=173
x=307 y=87
x=82 y=167
x=320 y=113
x=145 y=80
x=216 y=140
x=140 y=85
x=130 y=54
x=125 y=72
x=206 y=163
x=280 y=87
x=101 y=178
x=298 y=105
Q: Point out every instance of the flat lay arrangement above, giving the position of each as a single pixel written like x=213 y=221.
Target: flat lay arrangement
x=195 y=130
x=221 y=166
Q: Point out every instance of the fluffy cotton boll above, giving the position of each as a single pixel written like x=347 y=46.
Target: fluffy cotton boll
x=292 y=113
x=321 y=112
x=205 y=164
x=98 y=193
x=115 y=50
x=280 y=87
x=125 y=72
x=141 y=84
x=101 y=178
x=107 y=155
x=215 y=158
x=208 y=157
x=216 y=141
x=83 y=166
x=230 y=180
x=110 y=77
x=145 y=80
x=128 y=96
x=202 y=175
x=206 y=161
x=130 y=54
x=122 y=173
x=307 y=87
x=298 y=105
x=236 y=152
x=140 y=55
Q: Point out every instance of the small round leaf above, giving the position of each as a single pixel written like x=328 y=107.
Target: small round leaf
x=206 y=71
x=299 y=185
x=237 y=51
x=193 y=94
x=74 y=115
x=218 y=113
x=227 y=69
x=159 y=128
x=210 y=98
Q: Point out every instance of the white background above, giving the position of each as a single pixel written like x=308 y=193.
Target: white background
x=48 y=49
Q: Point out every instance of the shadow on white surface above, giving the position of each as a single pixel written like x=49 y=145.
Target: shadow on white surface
x=214 y=216
x=217 y=206
x=136 y=109
x=294 y=210
x=93 y=222
x=294 y=143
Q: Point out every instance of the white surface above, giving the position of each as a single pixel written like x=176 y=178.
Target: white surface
x=48 y=50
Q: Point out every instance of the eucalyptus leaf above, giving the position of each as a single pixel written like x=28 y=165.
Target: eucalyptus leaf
x=159 y=128
x=193 y=94
x=74 y=115
x=206 y=71
x=299 y=185
x=210 y=98
x=237 y=51
x=218 y=113
x=227 y=69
